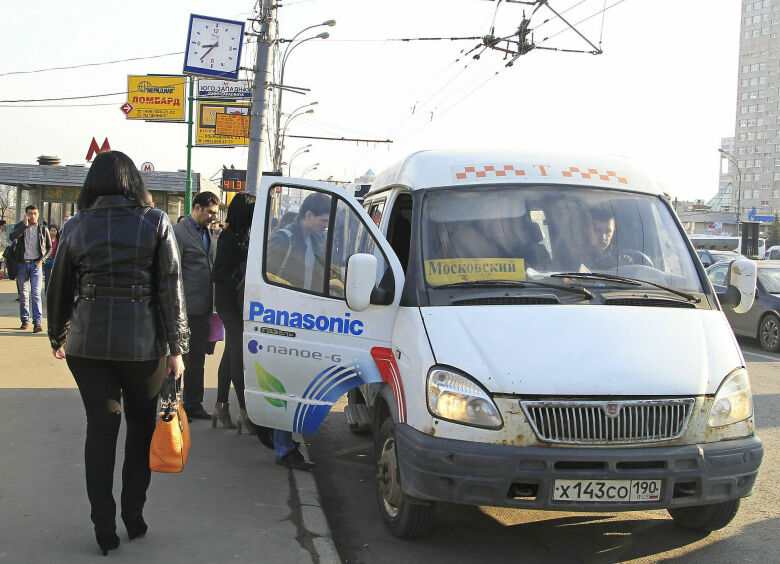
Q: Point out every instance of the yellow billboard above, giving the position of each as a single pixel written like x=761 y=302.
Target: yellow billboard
x=207 y=124
x=155 y=98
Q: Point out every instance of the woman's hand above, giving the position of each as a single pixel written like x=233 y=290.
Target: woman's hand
x=175 y=365
x=59 y=353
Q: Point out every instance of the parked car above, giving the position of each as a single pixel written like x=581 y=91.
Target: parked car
x=773 y=253
x=762 y=321
x=708 y=258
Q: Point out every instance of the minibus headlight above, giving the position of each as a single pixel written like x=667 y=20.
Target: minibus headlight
x=457 y=398
x=733 y=402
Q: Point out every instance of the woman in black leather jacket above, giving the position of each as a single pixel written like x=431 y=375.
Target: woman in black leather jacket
x=228 y=276
x=115 y=296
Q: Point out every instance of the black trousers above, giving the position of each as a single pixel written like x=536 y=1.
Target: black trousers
x=231 y=367
x=101 y=383
x=195 y=360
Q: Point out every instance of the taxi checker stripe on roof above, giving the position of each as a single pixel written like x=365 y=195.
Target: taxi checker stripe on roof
x=473 y=172
x=589 y=173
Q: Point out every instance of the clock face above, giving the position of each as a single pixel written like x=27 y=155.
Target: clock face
x=213 y=47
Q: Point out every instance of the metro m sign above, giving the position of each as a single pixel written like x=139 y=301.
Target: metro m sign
x=94 y=149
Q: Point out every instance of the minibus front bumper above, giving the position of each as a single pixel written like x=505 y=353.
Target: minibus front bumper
x=439 y=469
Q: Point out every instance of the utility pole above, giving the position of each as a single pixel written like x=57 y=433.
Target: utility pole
x=260 y=97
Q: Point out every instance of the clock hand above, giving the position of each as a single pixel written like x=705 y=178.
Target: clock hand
x=212 y=45
x=211 y=48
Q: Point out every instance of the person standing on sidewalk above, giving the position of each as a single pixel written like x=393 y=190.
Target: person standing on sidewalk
x=197 y=251
x=4 y=244
x=116 y=297
x=48 y=264
x=35 y=246
x=229 y=272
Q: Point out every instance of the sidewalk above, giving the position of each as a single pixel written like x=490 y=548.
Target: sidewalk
x=231 y=502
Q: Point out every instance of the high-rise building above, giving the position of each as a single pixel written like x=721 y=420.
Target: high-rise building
x=757 y=127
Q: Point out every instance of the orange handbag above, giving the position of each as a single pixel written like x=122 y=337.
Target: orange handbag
x=171 y=439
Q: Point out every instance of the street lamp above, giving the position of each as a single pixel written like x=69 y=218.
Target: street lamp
x=294 y=114
x=299 y=151
x=290 y=48
x=732 y=160
x=309 y=169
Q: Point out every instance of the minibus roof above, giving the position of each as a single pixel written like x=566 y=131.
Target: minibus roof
x=429 y=169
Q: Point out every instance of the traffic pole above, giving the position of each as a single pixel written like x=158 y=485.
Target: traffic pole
x=260 y=98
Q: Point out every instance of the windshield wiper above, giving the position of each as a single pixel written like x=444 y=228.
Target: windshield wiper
x=626 y=280
x=521 y=284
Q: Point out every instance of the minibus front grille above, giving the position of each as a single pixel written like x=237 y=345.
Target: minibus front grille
x=608 y=422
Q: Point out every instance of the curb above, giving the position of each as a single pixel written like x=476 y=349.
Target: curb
x=314 y=519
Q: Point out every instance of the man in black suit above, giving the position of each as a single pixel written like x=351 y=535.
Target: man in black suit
x=197 y=250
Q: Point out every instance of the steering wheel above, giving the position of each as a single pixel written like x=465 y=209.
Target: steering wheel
x=635 y=257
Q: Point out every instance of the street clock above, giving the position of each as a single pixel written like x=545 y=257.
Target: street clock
x=213 y=47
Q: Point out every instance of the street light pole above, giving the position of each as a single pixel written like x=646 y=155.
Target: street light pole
x=299 y=151
x=280 y=88
x=260 y=100
x=309 y=169
x=732 y=160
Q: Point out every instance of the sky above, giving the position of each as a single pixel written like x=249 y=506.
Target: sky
x=663 y=91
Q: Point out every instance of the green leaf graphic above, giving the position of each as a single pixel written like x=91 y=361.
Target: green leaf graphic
x=268 y=383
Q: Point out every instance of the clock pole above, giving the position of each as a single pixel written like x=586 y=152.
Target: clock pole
x=188 y=185
x=259 y=116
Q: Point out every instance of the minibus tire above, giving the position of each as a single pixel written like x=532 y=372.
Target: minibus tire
x=705 y=518
x=405 y=516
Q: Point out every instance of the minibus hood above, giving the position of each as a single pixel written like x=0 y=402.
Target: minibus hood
x=585 y=350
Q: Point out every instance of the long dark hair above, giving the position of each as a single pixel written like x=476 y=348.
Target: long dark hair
x=113 y=173
x=239 y=215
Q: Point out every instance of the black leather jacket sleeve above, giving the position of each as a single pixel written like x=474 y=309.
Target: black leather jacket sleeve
x=170 y=291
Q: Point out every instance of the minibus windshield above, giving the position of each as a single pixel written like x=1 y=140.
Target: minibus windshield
x=520 y=232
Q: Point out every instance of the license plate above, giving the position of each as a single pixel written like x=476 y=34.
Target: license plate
x=607 y=490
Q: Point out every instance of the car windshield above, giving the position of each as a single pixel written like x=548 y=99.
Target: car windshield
x=719 y=257
x=476 y=234
x=770 y=279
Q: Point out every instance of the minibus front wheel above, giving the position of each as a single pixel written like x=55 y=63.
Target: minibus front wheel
x=705 y=518
x=405 y=516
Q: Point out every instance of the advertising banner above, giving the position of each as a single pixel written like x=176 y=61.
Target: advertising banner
x=156 y=98
x=207 y=135
x=224 y=89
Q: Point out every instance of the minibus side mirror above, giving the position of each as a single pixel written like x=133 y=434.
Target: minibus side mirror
x=360 y=281
x=740 y=286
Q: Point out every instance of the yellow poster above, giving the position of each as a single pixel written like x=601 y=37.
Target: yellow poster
x=207 y=124
x=448 y=271
x=155 y=98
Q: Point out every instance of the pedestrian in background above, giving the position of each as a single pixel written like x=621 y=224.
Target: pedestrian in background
x=34 y=246
x=196 y=249
x=54 y=232
x=116 y=298
x=229 y=272
x=4 y=244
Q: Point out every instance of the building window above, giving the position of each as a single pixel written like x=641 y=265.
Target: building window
x=776 y=192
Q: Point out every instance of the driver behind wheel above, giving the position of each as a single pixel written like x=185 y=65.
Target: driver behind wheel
x=602 y=245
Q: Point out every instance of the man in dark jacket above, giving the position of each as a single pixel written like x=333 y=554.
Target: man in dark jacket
x=296 y=253
x=33 y=243
x=197 y=250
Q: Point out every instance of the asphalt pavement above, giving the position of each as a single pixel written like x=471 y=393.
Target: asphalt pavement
x=231 y=503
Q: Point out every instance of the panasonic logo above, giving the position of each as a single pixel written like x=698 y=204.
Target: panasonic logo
x=344 y=325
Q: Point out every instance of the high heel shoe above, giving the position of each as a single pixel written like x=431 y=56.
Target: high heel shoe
x=243 y=422
x=136 y=526
x=107 y=541
x=221 y=413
